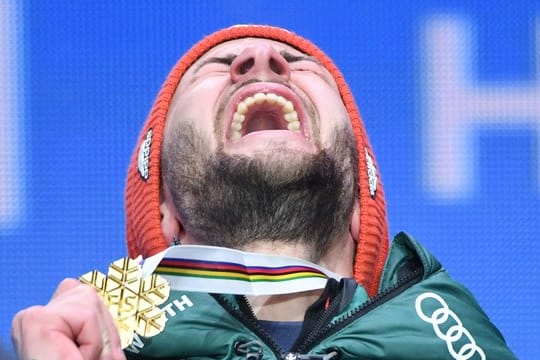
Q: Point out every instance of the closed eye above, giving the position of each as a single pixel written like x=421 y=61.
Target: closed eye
x=308 y=64
x=292 y=58
x=225 y=60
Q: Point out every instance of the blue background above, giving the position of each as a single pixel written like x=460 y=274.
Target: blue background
x=90 y=72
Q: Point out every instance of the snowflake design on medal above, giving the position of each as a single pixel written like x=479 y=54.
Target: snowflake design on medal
x=131 y=299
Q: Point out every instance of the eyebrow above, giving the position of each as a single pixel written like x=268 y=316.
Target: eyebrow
x=290 y=57
x=226 y=60
x=229 y=58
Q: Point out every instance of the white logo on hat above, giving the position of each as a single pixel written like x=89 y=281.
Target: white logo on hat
x=372 y=174
x=144 y=156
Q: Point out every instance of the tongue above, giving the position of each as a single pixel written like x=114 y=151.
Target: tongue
x=260 y=121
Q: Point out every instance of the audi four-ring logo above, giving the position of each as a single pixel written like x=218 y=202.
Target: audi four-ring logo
x=454 y=332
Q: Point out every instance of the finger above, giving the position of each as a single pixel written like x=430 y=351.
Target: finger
x=98 y=338
x=81 y=311
x=106 y=349
x=112 y=335
x=75 y=324
x=16 y=333
x=36 y=337
x=66 y=285
x=109 y=351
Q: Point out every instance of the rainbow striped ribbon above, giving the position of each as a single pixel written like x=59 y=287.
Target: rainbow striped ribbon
x=221 y=270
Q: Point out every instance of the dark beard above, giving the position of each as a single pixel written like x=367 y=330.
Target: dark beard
x=232 y=201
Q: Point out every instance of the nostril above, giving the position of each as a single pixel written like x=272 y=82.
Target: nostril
x=261 y=61
x=276 y=66
x=245 y=66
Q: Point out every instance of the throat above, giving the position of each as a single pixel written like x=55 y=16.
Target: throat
x=285 y=307
x=280 y=248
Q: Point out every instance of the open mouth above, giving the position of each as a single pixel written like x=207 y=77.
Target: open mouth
x=264 y=111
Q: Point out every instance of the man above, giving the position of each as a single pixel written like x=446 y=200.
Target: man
x=255 y=144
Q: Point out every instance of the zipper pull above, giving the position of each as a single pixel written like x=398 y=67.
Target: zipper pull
x=296 y=356
x=252 y=350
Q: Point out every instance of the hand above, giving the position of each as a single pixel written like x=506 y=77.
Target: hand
x=74 y=325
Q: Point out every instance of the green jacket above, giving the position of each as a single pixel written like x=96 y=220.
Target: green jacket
x=420 y=313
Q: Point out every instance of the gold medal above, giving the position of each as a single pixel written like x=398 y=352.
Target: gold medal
x=132 y=300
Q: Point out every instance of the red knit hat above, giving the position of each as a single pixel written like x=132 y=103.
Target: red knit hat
x=144 y=234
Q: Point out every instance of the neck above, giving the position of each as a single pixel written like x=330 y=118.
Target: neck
x=338 y=259
x=285 y=307
x=279 y=248
x=292 y=307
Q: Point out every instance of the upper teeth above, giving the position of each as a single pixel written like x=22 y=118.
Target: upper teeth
x=239 y=116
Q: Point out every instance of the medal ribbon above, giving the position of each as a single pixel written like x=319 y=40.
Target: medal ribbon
x=213 y=269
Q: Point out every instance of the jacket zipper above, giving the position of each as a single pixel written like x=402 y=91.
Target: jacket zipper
x=247 y=317
x=319 y=334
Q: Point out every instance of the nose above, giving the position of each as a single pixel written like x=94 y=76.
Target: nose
x=261 y=62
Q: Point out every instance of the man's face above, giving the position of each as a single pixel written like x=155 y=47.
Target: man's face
x=255 y=95
x=259 y=147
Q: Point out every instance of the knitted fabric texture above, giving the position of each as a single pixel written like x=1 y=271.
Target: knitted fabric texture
x=142 y=196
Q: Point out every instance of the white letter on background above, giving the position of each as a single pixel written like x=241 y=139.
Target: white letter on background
x=12 y=160
x=455 y=107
